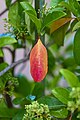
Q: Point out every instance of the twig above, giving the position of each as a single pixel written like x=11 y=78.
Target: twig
x=7 y=49
x=13 y=65
x=6 y=9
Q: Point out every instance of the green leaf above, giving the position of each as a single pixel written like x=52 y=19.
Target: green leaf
x=38 y=90
x=62 y=113
x=1 y=53
x=8 y=3
x=59 y=35
x=19 y=115
x=55 y=2
x=52 y=102
x=69 y=62
x=7 y=41
x=18 y=100
x=74 y=7
x=70 y=77
x=3 y=66
x=6 y=112
x=76 y=49
x=27 y=6
x=51 y=17
x=50 y=58
x=77 y=25
x=32 y=14
x=62 y=94
x=24 y=87
x=13 y=15
x=35 y=20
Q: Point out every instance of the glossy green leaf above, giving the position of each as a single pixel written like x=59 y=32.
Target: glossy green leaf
x=51 y=17
x=70 y=77
x=61 y=113
x=7 y=41
x=62 y=94
x=13 y=15
x=55 y=2
x=52 y=102
x=74 y=7
x=1 y=53
x=76 y=49
x=77 y=25
x=35 y=20
x=38 y=90
x=27 y=6
x=32 y=14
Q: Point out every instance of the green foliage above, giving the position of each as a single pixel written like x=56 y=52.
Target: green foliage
x=62 y=94
x=71 y=78
x=51 y=17
x=7 y=41
x=61 y=113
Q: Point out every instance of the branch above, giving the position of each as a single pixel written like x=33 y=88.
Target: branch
x=14 y=64
x=6 y=9
x=8 y=49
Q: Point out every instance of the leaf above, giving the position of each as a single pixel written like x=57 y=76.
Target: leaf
x=55 y=2
x=59 y=35
x=51 y=17
x=69 y=62
x=24 y=87
x=34 y=19
x=6 y=112
x=32 y=14
x=52 y=102
x=77 y=25
x=8 y=3
x=38 y=90
x=62 y=94
x=38 y=62
x=70 y=78
x=57 y=24
x=50 y=64
x=19 y=115
x=62 y=113
x=1 y=53
x=13 y=15
x=18 y=100
x=76 y=49
x=7 y=41
x=27 y=7
x=74 y=7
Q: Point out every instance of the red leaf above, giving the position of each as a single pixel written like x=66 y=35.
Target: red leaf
x=38 y=62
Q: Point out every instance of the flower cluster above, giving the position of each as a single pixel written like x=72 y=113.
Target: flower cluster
x=36 y=111
x=74 y=103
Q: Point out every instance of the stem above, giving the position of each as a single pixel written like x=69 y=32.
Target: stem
x=7 y=97
x=6 y=9
x=14 y=64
